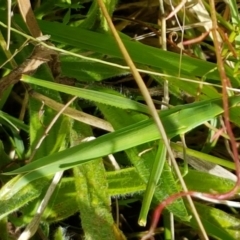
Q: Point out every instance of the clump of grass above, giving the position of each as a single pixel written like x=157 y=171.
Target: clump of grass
x=189 y=52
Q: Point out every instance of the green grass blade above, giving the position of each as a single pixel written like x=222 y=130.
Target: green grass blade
x=96 y=96
x=204 y=156
x=105 y=44
x=16 y=123
x=155 y=174
x=175 y=123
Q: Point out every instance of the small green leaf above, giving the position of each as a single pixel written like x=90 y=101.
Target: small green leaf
x=67 y=17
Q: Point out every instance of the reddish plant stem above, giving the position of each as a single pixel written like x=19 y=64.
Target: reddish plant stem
x=225 y=83
x=158 y=211
x=197 y=39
